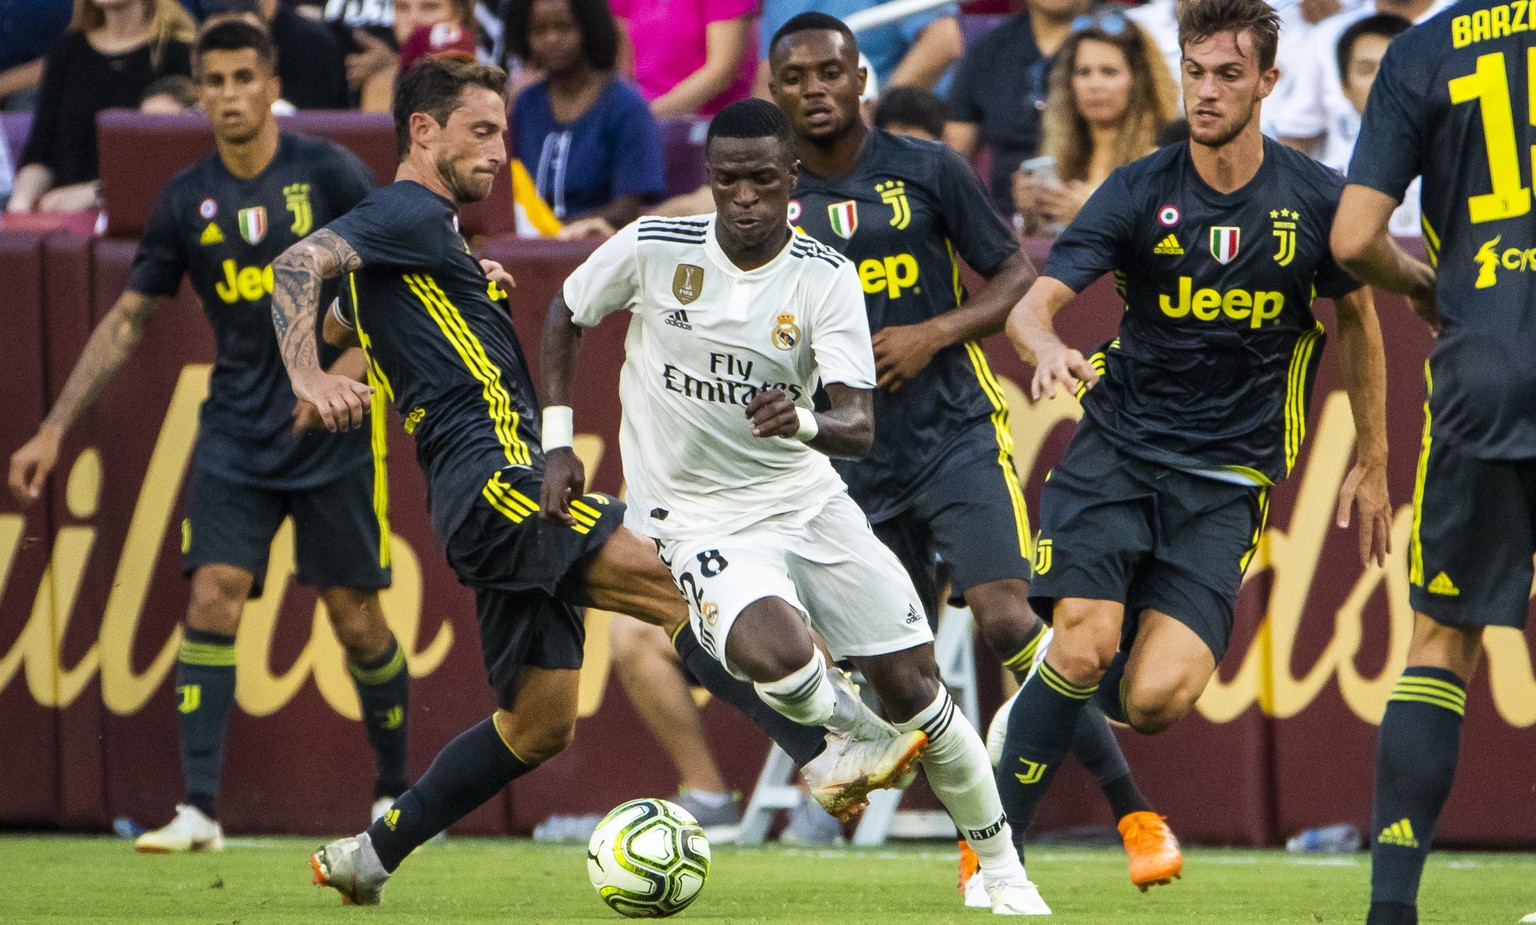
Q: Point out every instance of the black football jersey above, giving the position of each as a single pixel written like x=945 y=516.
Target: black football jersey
x=223 y=232
x=440 y=344
x=1454 y=102
x=1218 y=347
x=905 y=215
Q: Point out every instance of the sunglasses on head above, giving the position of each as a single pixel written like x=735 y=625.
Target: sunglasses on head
x=1109 y=23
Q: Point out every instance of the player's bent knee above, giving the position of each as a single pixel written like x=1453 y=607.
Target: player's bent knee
x=1151 y=709
x=538 y=740
x=217 y=600
x=1081 y=656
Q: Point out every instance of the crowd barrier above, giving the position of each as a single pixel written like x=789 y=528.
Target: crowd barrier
x=91 y=596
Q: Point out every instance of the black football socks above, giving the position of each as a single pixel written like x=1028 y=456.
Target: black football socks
x=384 y=688
x=1041 y=728
x=205 y=689
x=468 y=771
x=1416 y=753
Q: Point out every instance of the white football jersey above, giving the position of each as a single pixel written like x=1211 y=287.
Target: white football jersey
x=704 y=338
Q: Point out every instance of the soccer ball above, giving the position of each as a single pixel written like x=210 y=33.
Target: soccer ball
x=648 y=859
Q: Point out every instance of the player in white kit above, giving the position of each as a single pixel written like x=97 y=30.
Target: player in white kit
x=735 y=320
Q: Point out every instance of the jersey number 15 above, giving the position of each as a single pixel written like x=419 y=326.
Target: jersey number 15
x=1490 y=85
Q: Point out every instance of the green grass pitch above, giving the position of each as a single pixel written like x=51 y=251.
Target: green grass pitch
x=58 y=879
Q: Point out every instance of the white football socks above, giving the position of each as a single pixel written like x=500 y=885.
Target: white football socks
x=961 y=777
x=805 y=695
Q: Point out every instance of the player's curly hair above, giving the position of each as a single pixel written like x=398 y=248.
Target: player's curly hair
x=433 y=85
x=752 y=118
x=1201 y=19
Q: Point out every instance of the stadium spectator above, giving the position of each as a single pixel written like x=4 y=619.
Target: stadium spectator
x=911 y=111
x=587 y=137
x=434 y=27
x=1000 y=88
x=365 y=31
x=1315 y=116
x=914 y=51
x=691 y=58
x=1359 y=57
x=1110 y=94
x=30 y=28
x=309 y=58
x=114 y=49
x=169 y=96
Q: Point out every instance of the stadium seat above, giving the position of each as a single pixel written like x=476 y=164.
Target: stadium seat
x=683 y=146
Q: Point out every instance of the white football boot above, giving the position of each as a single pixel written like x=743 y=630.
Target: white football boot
x=1014 y=894
x=191 y=830
x=352 y=868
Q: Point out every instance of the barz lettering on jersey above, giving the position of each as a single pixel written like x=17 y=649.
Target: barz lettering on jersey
x=247 y=283
x=891 y=274
x=722 y=391
x=1492 y=23
x=741 y=369
x=1209 y=304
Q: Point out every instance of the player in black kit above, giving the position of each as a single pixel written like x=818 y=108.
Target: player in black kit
x=941 y=478
x=1453 y=102
x=440 y=345
x=221 y=222
x=1195 y=410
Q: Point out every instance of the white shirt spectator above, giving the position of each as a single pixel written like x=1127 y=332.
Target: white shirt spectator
x=1316 y=105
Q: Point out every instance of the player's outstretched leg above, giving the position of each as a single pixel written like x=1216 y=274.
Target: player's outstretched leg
x=958 y=771
x=377 y=665
x=470 y=770
x=841 y=764
x=770 y=643
x=1020 y=639
x=205 y=691
x=1418 y=745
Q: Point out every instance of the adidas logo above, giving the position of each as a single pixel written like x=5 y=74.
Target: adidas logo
x=1443 y=586
x=679 y=319
x=1399 y=833
x=1169 y=246
x=211 y=235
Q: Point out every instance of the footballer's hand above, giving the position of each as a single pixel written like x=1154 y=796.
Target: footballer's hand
x=1425 y=308
x=341 y=402
x=564 y=478
x=305 y=419
x=31 y=465
x=1365 y=489
x=498 y=274
x=901 y=352
x=772 y=414
x=1061 y=366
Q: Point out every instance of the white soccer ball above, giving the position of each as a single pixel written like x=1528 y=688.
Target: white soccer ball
x=648 y=859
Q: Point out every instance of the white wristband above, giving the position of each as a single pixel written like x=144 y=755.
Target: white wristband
x=808 y=425
x=559 y=427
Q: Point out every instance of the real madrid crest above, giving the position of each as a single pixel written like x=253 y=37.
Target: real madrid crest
x=786 y=334
x=687 y=282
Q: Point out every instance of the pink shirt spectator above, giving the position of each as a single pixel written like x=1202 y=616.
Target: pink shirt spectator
x=668 y=38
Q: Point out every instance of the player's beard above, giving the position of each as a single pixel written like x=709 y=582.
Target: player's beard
x=1224 y=134
x=467 y=186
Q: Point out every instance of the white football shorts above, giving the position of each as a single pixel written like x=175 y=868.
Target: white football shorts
x=831 y=568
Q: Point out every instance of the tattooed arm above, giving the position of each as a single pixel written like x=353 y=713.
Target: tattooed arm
x=297 y=276
x=111 y=343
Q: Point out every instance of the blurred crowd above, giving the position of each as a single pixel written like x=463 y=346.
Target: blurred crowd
x=1047 y=97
